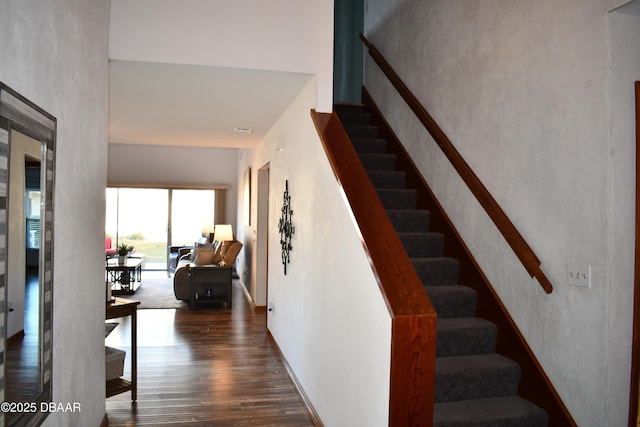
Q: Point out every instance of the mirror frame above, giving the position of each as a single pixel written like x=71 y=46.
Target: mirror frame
x=19 y=114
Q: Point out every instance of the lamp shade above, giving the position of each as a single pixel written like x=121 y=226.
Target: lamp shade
x=223 y=232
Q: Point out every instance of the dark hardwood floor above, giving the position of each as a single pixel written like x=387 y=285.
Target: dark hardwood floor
x=206 y=367
x=22 y=363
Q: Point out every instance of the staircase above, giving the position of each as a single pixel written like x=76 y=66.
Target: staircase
x=474 y=385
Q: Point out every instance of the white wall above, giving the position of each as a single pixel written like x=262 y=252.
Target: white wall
x=278 y=35
x=55 y=54
x=329 y=318
x=522 y=90
x=176 y=166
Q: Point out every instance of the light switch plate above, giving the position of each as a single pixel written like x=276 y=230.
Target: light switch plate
x=579 y=275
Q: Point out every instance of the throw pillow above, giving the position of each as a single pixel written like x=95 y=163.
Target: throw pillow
x=203 y=254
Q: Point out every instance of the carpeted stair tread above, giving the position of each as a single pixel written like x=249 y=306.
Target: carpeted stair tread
x=361 y=131
x=460 y=336
x=387 y=179
x=377 y=161
x=475 y=376
x=453 y=300
x=409 y=219
x=437 y=271
x=397 y=198
x=511 y=411
x=422 y=245
x=370 y=145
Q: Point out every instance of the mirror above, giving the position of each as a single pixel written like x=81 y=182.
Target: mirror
x=27 y=147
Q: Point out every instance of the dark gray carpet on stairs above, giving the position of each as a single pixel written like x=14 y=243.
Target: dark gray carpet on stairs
x=474 y=385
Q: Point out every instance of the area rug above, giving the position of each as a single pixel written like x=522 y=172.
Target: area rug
x=157 y=292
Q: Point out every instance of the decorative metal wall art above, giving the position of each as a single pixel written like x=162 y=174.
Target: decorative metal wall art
x=285 y=226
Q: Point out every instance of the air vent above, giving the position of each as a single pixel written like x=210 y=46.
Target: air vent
x=242 y=130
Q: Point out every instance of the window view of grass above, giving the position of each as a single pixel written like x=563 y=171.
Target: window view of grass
x=139 y=217
x=154 y=252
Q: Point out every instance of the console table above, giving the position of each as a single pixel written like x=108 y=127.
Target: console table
x=121 y=308
x=209 y=284
x=125 y=278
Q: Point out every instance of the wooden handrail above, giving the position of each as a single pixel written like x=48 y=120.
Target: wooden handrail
x=413 y=318
x=522 y=250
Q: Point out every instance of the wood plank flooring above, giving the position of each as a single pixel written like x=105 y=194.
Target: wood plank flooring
x=206 y=367
x=22 y=368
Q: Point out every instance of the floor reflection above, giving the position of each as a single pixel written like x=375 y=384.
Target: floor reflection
x=22 y=363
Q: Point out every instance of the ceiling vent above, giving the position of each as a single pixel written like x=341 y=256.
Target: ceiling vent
x=242 y=130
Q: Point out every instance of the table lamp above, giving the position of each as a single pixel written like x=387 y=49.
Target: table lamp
x=223 y=233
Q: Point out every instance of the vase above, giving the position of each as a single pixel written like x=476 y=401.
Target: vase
x=122 y=259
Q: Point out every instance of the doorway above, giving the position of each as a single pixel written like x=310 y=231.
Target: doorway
x=262 y=238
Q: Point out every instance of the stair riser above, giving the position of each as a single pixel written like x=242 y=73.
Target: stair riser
x=409 y=220
x=437 y=271
x=358 y=131
x=387 y=179
x=422 y=245
x=461 y=337
x=356 y=118
x=378 y=162
x=378 y=146
x=397 y=199
x=452 y=301
x=460 y=379
x=507 y=411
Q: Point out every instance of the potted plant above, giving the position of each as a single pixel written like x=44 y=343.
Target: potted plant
x=123 y=252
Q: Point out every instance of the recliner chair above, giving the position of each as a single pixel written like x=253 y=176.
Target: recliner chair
x=181 y=275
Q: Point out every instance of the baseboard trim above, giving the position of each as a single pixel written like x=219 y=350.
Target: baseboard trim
x=314 y=415
x=247 y=295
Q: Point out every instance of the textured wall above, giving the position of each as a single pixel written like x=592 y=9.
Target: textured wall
x=55 y=54
x=523 y=91
x=625 y=66
x=329 y=318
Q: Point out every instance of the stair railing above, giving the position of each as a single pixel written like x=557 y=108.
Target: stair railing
x=413 y=318
x=520 y=247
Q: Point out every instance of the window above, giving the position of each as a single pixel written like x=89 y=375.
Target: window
x=191 y=212
x=32 y=211
x=150 y=219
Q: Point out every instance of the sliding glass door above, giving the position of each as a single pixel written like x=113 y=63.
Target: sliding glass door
x=151 y=219
x=192 y=211
x=138 y=217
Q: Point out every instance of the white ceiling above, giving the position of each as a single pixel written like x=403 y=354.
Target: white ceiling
x=193 y=105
